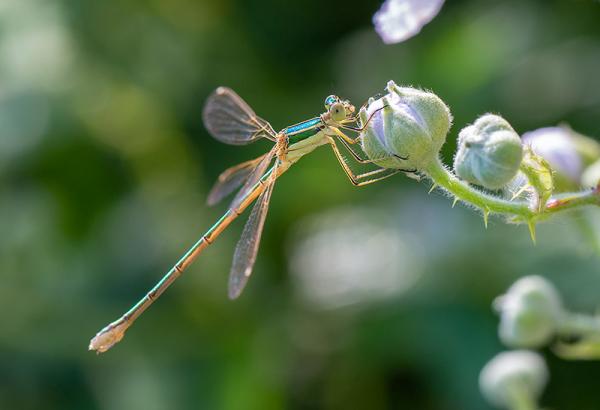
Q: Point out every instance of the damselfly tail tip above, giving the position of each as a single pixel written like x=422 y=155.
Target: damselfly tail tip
x=108 y=337
x=234 y=292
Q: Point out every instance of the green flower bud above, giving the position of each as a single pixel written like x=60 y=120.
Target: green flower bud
x=489 y=152
x=405 y=129
x=514 y=380
x=530 y=313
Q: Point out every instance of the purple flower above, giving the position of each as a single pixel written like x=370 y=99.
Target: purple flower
x=399 y=20
x=556 y=146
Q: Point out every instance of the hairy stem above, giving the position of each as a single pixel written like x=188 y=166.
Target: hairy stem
x=521 y=210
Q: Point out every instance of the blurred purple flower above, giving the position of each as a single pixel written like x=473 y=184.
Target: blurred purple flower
x=556 y=146
x=399 y=20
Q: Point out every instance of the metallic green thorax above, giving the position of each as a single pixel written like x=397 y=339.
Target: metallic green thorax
x=303 y=130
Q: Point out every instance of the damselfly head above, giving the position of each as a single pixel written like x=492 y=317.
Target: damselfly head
x=339 y=110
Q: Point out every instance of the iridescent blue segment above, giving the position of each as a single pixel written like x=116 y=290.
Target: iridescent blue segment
x=304 y=129
x=302 y=126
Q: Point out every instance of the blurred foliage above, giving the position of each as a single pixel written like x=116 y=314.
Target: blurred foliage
x=105 y=165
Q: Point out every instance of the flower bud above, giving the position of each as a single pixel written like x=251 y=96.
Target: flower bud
x=591 y=176
x=587 y=148
x=405 y=129
x=530 y=313
x=489 y=152
x=513 y=378
x=557 y=146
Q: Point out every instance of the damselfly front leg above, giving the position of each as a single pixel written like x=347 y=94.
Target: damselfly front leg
x=362 y=160
x=359 y=179
x=343 y=138
x=356 y=119
x=349 y=141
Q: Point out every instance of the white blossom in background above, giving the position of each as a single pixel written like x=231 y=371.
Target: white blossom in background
x=36 y=58
x=36 y=51
x=347 y=257
x=399 y=20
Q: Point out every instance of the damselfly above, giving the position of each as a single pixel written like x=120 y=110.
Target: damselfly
x=230 y=120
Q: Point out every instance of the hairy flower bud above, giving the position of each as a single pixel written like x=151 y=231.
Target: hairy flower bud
x=405 y=129
x=530 y=313
x=489 y=152
x=513 y=378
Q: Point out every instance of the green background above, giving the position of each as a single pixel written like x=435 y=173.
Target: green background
x=378 y=297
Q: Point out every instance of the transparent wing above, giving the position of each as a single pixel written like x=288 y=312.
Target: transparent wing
x=258 y=172
x=230 y=120
x=247 y=247
x=231 y=179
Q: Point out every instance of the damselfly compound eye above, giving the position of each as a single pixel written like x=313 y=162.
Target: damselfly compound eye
x=329 y=101
x=338 y=112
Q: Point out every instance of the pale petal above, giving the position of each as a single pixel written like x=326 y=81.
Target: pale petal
x=556 y=146
x=398 y=20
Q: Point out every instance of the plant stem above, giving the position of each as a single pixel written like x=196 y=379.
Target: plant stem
x=520 y=399
x=580 y=325
x=520 y=209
